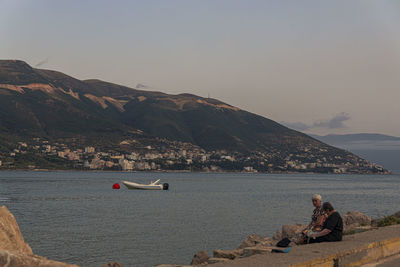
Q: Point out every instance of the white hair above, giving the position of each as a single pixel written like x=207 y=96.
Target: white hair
x=316 y=196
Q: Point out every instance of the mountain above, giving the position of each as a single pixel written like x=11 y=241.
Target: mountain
x=359 y=137
x=379 y=148
x=52 y=105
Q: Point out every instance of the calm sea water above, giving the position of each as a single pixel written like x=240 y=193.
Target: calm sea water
x=76 y=217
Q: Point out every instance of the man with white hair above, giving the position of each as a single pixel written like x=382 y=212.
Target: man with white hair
x=317 y=220
x=318 y=216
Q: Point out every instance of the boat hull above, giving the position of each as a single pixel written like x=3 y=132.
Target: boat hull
x=131 y=185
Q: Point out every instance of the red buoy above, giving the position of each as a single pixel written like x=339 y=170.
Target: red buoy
x=116 y=186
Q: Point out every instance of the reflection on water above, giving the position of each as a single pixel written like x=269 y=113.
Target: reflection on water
x=4 y=199
x=77 y=217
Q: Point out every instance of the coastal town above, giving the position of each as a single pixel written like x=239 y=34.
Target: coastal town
x=160 y=154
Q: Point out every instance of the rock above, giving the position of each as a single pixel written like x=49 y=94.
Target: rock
x=8 y=258
x=254 y=240
x=290 y=231
x=277 y=235
x=200 y=257
x=267 y=242
x=14 y=251
x=354 y=219
x=11 y=238
x=216 y=260
x=396 y=215
x=112 y=264
x=228 y=254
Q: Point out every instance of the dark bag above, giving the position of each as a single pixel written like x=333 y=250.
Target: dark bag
x=281 y=250
x=283 y=243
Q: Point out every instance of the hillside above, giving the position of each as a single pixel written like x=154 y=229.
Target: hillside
x=49 y=103
x=378 y=148
x=54 y=106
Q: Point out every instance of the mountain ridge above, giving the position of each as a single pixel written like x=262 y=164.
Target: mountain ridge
x=50 y=104
x=116 y=98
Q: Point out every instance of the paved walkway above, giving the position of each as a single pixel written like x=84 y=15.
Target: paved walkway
x=393 y=261
x=313 y=251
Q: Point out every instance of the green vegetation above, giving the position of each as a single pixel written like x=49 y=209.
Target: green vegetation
x=388 y=220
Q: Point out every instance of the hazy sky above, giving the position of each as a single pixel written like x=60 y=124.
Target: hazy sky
x=321 y=66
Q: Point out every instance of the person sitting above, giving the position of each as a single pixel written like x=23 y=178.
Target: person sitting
x=332 y=229
x=318 y=216
x=317 y=219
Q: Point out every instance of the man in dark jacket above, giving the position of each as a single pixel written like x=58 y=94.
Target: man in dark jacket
x=332 y=229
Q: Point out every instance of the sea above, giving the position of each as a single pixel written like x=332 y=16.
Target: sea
x=77 y=217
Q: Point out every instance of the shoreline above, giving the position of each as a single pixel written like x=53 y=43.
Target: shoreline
x=188 y=171
x=354 y=250
x=377 y=238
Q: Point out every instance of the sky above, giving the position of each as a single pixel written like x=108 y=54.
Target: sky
x=322 y=67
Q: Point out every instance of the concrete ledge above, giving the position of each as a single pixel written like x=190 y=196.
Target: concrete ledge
x=355 y=257
x=217 y=260
x=355 y=250
x=247 y=252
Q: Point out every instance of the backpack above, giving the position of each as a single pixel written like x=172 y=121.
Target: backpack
x=283 y=243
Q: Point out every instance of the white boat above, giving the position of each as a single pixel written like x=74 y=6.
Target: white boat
x=152 y=186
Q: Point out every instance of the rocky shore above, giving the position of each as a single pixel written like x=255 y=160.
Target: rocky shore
x=14 y=251
x=353 y=222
